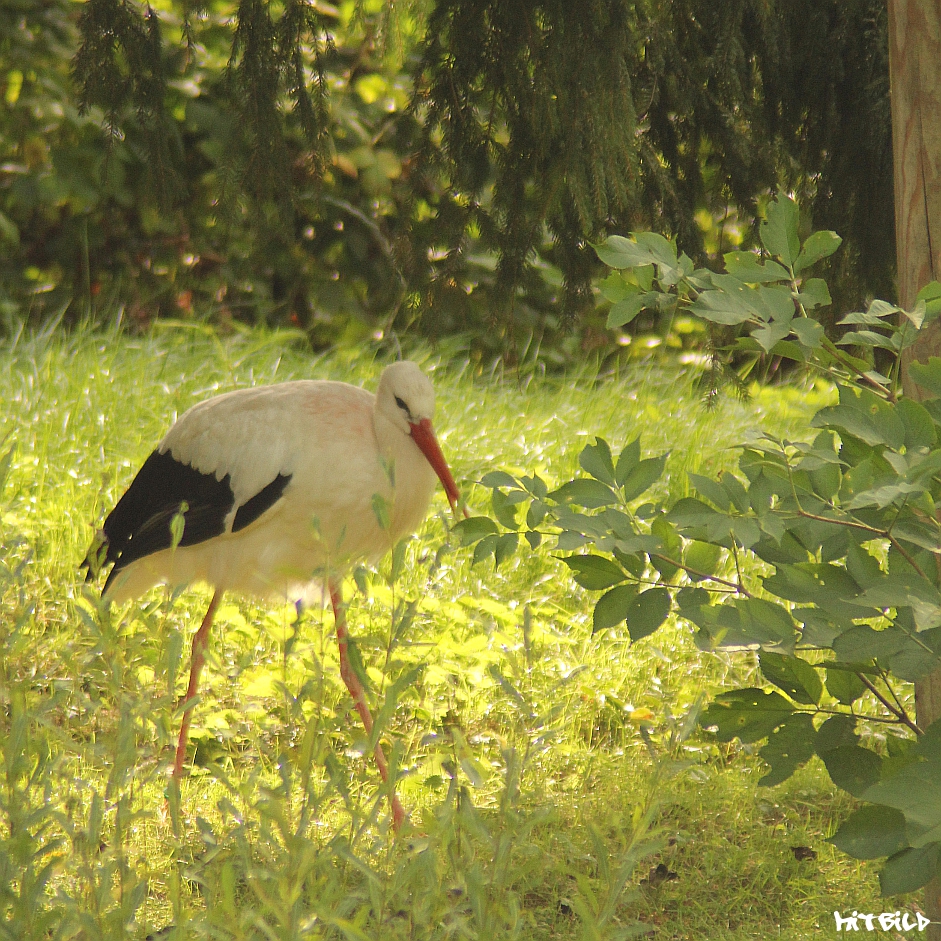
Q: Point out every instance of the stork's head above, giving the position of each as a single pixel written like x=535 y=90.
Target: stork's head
x=406 y=398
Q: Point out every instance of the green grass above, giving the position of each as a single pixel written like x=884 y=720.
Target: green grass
x=539 y=799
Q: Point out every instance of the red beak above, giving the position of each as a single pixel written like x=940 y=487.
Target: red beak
x=424 y=436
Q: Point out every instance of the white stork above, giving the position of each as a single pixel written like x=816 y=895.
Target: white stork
x=278 y=487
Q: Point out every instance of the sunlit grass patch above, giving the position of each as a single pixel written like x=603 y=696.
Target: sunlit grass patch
x=531 y=753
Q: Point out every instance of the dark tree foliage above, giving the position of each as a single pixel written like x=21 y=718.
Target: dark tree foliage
x=532 y=101
x=535 y=127
x=616 y=115
x=120 y=65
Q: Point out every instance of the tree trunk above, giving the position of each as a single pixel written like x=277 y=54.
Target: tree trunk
x=915 y=77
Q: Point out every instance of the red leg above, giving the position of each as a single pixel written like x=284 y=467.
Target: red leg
x=359 y=698
x=200 y=643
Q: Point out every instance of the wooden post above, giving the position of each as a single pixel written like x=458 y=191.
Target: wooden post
x=915 y=81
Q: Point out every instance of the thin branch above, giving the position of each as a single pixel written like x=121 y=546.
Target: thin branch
x=738 y=567
x=850 y=523
x=738 y=589
x=885 y=679
x=844 y=361
x=899 y=713
x=838 y=712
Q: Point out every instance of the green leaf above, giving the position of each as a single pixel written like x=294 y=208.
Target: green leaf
x=504 y=506
x=825 y=585
x=702 y=559
x=929 y=743
x=779 y=232
x=732 y=299
x=626 y=309
x=819 y=630
x=178 y=521
x=356 y=662
x=711 y=490
x=863 y=414
x=596 y=460
x=627 y=461
x=476 y=772
x=879 y=308
x=795 y=676
x=809 y=332
x=763 y=622
x=696 y=520
x=585 y=492
x=723 y=308
x=915 y=316
x=909 y=870
x=671 y=545
x=747 y=267
x=770 y=334
x=927 y=375
x=690 y=600
x=499 y=479
x=930 y=296
x=873 y=316
x=619 y=252
x=643 y=249
x=473 y=528
x=920 y=430
x=616 y=287
x=484 y=549
x=647 y=612
x=869 y=338
x=863 y=643
x=871 y=832
x=536 y=513
x=747 y=714
x=505 y=547
x=826 y=481
x=789 y=746
x=595 y=572
x=836 y=731
x=643 y=476
x=660 y=250
x=535 y=485
x=844 y=686
x=613 y=607
x=818 y=245
x=814 y=293
x=736 y=490
x=915 y=790
x=853 y=768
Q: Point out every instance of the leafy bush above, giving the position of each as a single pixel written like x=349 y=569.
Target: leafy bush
x=841 y=533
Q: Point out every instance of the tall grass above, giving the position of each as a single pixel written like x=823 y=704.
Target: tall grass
x=548 y=773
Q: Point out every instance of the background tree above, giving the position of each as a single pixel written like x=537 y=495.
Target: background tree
x=915 y=46
x=302 y=161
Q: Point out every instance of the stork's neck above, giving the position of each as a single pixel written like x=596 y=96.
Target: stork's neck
x=389 y=438
x=412 y=479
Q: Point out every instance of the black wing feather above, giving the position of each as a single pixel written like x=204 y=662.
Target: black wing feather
x=251 y=509
x=140 y=523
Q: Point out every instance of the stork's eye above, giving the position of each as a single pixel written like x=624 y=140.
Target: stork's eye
x=401 y=405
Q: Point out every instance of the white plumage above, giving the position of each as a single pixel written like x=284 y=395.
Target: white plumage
x=279 y=487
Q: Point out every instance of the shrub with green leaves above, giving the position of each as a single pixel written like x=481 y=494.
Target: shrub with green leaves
x=823 y=554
